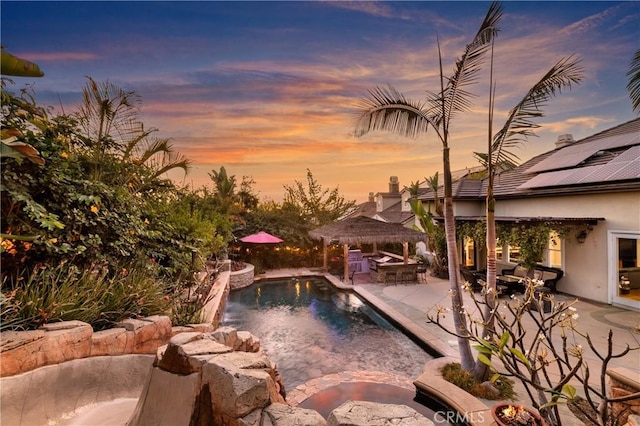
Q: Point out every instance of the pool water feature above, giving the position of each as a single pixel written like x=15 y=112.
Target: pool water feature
x=310 y=329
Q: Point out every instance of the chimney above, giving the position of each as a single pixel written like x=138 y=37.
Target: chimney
x=564 y=140
x=394 y=185
x=371 y=197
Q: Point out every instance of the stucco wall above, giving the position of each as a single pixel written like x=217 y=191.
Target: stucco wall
x=585 y=264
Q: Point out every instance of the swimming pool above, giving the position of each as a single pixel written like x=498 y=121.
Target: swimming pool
x=310 y=329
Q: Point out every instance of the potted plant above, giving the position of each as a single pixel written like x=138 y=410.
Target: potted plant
x=506 y=414
x=625 y=285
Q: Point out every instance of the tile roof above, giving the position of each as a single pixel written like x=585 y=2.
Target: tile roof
x=604 y=162
x=394 y=214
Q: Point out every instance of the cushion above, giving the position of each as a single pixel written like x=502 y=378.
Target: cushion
x=520 y=271
x=546 y=275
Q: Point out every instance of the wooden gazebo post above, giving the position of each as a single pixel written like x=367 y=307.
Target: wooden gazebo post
x=325 y=255
x=346 y=262
x=405 y=252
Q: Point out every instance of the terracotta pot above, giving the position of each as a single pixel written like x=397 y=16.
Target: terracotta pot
x=534 y=419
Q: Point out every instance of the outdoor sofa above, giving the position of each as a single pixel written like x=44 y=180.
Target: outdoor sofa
x=549 y=275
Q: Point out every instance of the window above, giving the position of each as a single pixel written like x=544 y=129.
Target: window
x=499 y=250
x=514 y=254
x=469 y=253
x=554 y=254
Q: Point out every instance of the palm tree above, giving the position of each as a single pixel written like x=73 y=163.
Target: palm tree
x=432 y=182
x=109 y=119
x=225 y=187
x=387 y=109
x=518 y=127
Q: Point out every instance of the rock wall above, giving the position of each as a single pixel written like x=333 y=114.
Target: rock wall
x=22 y=351
x=242 y=278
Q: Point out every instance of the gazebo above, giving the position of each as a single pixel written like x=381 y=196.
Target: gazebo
x=364 y=230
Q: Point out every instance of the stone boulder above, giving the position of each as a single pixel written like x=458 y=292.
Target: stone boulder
x=197 y=380
x=363 y=413
x=187 y=352
x=150 y=332
x=242 y=341
x=285 y=415
x=19 y=350
x=239 y=383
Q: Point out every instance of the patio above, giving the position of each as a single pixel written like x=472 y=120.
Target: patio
x=408 y=306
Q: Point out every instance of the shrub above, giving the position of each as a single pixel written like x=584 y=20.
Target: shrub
x=64 y=293
x=454 y=373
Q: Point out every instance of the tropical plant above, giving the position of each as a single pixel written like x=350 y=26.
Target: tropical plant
x=15 y=66
x=114 y=138
x=193 y=214
x=225 y=190
x=11 y=144
x=518 y=127
x=387 y=109
x=436 y=242
x=64 y=292
x=433 y=183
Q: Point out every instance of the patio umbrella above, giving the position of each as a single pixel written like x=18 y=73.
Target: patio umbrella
x=261 y=238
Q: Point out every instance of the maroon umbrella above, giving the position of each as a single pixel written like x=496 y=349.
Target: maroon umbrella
x=261 y=238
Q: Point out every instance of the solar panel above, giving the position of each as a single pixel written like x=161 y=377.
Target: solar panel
x=600 y=174
x=630 y=171
x=572 y=155
x=566 y=157
x=610 y=172
x=630 y=154
x=545 y=179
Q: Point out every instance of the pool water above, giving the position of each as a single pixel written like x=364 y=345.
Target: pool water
x=310 y=329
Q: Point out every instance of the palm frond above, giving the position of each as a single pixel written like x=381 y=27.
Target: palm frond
x=520 y=124
x=132 y=146
x=633 y=86
x=108 y=111
x=155 y=146
x=387 y=109
x=454 y=98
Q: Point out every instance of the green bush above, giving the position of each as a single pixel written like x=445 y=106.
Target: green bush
x=65 y=292
x=454 y=373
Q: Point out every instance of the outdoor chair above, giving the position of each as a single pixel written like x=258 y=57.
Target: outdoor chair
x=421 y=273
x=472 y=278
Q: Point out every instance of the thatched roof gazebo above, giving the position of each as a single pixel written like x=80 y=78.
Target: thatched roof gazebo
x=364 y=230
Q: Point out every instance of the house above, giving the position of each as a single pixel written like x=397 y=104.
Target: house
x=591 y=185
x=390 y=207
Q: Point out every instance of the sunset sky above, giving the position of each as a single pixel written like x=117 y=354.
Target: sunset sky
x=269 y=89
